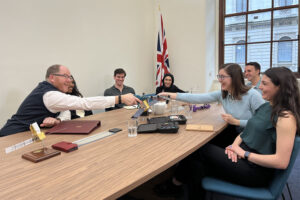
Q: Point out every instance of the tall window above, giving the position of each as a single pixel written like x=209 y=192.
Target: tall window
x=240 y=52
x=285 y=50
x=263 y=31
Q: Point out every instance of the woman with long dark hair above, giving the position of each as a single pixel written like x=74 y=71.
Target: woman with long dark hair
x=239 y=101
x=265 y=144
x=73 y=90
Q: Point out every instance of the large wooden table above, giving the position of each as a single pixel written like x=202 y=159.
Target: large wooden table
x=105 y=169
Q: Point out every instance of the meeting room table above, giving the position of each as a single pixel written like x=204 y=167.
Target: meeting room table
x=104 y=169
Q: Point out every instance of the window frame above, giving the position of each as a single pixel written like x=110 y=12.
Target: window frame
x=222 y=16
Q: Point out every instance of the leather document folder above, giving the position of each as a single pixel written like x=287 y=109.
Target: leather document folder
x=74 y=127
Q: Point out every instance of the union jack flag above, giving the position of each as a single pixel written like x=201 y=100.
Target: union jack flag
x=163 y=66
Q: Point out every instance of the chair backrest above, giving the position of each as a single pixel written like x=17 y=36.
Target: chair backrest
x=281 y=176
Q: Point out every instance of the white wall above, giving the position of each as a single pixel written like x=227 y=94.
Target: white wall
x=93 y=37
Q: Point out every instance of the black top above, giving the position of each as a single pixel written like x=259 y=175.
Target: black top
x=76 y=92
x=172 y=88
x=31 y=110
x=75 y=116
x=113 y=91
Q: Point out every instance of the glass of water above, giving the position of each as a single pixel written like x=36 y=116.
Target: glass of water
x=132 y=127
x=188 y=110
x=174 y=107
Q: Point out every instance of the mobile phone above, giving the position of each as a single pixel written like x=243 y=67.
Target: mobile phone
x=114 y=130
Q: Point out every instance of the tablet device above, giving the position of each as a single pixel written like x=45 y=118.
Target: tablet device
x=147 y=128
x=181 y=119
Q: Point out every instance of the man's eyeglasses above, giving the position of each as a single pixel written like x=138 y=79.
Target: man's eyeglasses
x=65 y=76
x=222 y=77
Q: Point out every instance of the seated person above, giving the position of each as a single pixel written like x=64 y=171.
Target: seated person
x=265 y=144
x=73 y=90
x=252 y=73
x=168 y=85
x=118 y=88
x=239 y=101
x=49 y=98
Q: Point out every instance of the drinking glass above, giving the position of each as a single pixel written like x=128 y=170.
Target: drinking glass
x=132 y=127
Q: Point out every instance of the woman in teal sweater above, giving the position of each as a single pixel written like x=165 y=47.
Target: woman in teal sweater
x=265 y=144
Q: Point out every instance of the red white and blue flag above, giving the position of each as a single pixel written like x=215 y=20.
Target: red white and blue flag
x=163 y=66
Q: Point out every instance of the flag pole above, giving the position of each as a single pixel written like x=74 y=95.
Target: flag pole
x=162 y=60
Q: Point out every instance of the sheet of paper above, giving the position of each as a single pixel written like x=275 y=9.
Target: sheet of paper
x=130 y=107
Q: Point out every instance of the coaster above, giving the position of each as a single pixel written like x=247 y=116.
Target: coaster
x=199 y=127
x=40 y=154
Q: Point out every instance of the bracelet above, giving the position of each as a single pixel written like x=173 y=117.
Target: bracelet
x=120 y=100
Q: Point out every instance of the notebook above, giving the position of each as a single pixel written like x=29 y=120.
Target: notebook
x=75 y=127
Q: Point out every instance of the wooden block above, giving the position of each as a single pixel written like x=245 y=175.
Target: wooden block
x=199 y=127
x=40 y=154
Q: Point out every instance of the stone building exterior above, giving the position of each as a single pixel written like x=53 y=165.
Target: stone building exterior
x=285 y=27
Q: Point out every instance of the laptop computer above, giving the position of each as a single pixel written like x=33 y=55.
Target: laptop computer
x=74 y=127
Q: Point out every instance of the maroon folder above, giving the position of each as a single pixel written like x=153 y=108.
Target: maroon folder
x=75 y=127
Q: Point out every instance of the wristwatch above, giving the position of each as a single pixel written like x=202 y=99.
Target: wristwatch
x=120 y=101
x=246 y=155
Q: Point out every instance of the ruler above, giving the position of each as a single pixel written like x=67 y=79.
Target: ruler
x=92 y=138
x=18 y=145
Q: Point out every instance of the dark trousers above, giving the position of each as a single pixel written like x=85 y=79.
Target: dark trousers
x=227 y=136
x=211 y=160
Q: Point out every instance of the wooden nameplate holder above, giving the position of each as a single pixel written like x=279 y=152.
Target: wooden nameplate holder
x=40 y=154
x=199 y=127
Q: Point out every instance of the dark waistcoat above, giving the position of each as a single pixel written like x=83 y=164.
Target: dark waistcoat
x=31 y=110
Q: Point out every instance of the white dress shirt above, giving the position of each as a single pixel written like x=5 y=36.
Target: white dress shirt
x=56 y=101
x=64 y=115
